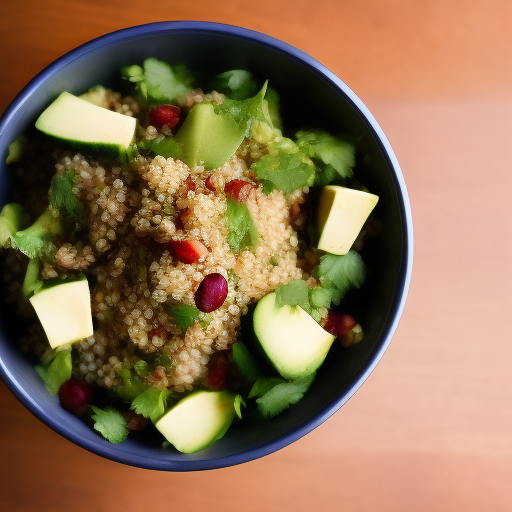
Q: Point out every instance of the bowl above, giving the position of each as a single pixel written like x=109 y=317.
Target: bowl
x=311 y=95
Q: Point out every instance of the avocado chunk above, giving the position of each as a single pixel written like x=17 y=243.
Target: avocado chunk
x=64 y=311
x=198 y=420
x=208 y=137
x=86 y=126
x=292 y=340
x=341 y=215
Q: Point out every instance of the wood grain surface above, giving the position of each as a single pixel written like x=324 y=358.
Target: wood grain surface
x=432 y=427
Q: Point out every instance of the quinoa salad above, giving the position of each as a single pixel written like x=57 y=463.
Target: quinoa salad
x=145 y=226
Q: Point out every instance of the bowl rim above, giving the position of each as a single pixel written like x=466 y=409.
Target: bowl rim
x=112 y=452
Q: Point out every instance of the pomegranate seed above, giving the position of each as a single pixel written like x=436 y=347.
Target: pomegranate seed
x=159 y=331
x=212 y=293
x=355 y=335
x=339 y=324
x=188 y=251
x=184 y=217
x=239 y=189
x=164 y=115
x=135 y=421
x=208 y=183
x=218 y=370
x=75 y=395
x=189 y=185
x=294 y=212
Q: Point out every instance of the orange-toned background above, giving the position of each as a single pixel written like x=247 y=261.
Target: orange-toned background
x=432 y=427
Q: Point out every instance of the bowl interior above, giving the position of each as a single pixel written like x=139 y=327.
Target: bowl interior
x=309 y=98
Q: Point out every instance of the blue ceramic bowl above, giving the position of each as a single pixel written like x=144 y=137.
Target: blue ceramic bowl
x=311 y=96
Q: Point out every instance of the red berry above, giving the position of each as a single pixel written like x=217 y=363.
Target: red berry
x=159 y=331
x=75 y=395
x=189 y=183
x=339 y=324
x=164 y=115
x=239 y=189
x=208 y=183
x=188 y=251
x=294 y=212
x=184 y=217
x=218 y=370
x=212 y=293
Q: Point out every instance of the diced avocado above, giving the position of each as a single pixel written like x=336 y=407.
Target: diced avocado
x=341 y=215
x=16 y=149
x=198 y=420
x=294 y=343
x=64 y=311
x=12 y=220
x=208 y=137
x=86 y=126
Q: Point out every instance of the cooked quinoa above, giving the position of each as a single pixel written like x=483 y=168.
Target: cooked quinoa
x=170 y=251
x=131 y=215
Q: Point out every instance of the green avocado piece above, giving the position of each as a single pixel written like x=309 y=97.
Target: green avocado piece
x=85 y=126
x=208 y=137
x=198 y=420
x=292 y=340
x=342 y=213
x=64 y=311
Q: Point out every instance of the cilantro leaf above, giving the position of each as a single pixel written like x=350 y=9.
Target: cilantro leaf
x=166 y=147
x=295 y=293
x=236 y=84
x=133 y=73
x=242 y=232
x=341 y=273
x=263 y=385
x=183 y=315
x=320 y=297
x=281 y=396
x=273 y=105
x=165 y=84
x=141 y=368
x=63 y=199
x=237 y=404
x=245 y=363
x=109 y=422
x=325 y=176
x=158 y=82
x=165 y=361
x=151 y=403
x=57 y=372
x=284 y=168
x=243 y=111
x=36 y=240
x=32 y=282
x=132 y=385
x=336 y=154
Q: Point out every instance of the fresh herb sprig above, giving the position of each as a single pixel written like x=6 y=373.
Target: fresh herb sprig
x=109 y=422
x=242 y=232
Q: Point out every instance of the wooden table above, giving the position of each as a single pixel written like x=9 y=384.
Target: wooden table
x=432 y=427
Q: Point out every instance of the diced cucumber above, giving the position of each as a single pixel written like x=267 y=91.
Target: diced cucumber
x=86 y=126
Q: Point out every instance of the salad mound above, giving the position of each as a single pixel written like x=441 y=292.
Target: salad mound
x=143 y=228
